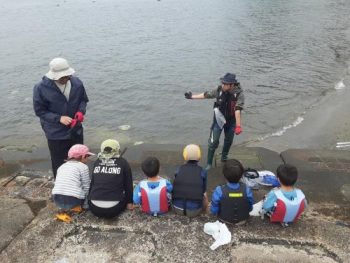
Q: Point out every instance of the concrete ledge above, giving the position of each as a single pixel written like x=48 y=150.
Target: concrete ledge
x=136 y=237
x=322 y=234
x=15 y=215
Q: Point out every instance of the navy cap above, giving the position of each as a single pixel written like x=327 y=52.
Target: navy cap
x=229 y=78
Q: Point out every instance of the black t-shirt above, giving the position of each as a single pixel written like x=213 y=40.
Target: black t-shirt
x=111 y=180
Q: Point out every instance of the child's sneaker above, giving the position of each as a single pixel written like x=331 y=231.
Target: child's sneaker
x=64 y=217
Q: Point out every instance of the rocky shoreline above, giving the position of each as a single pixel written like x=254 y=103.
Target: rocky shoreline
x=31 y=234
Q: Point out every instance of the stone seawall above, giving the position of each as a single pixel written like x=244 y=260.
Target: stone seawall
x=31 y=234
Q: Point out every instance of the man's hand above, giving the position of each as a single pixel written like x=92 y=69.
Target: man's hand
x=79 y=116
x=130 y=206
x=65 y=120
x=238 y=130
x=188 y=95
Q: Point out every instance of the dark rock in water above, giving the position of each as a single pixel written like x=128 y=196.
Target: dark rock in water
x=9 y=169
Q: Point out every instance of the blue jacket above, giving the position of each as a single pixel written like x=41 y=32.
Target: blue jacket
x=50 y=104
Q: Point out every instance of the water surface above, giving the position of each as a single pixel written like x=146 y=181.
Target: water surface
x=137 y=58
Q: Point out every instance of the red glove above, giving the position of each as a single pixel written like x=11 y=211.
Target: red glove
x=238 y=130
x=79 y=116
x=73 y=123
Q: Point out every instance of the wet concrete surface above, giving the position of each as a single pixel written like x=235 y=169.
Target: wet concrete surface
x=321 y=235
x=136 y=237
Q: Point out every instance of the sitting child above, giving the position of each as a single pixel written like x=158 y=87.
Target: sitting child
x=72 y=182
x=152 y=193
x=232 y=202
x=285 y=204
x=111 y=182
x=190 y=183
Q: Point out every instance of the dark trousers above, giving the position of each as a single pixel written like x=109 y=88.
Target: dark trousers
x=59 y=150
x=108 y=212
x=213 y=141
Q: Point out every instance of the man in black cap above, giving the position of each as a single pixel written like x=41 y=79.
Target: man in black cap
x=227 y=114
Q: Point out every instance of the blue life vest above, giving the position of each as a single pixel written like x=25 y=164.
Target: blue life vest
x=286 y=210
x=154 y=200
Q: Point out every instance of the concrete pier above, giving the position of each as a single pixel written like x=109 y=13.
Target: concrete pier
x=31 y=234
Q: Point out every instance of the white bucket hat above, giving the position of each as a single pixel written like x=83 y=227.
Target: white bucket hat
x=59 y=68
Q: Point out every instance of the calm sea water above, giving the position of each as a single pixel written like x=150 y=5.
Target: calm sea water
x=137 y=58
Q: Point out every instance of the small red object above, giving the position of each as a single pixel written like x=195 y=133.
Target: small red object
x=238 y=130
x=79 y=116
x=73 y=123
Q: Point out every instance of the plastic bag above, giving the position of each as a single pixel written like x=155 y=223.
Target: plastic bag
x=257 y=209
x=268 y=178
x=219 y=232
x=250 y=178
x=220 y=118
x=265 y=178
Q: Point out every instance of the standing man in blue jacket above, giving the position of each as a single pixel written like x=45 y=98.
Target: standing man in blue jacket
x=60 y=102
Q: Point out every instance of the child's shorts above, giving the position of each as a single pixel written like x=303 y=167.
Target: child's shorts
x=66 y=202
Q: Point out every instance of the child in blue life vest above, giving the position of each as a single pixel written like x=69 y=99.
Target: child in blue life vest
x=285 y=204
x=153 y=193
x=72 y=182
x=233 y=201
x=190 y=184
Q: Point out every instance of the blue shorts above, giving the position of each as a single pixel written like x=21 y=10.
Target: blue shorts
x=67 y=202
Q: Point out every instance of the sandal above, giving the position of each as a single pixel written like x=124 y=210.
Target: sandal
x=77 y=209
x=64 y=217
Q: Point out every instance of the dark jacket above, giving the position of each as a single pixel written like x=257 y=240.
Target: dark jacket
x=50 y=104
x=227 y=102
x=188 y=183
x=111 y=180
